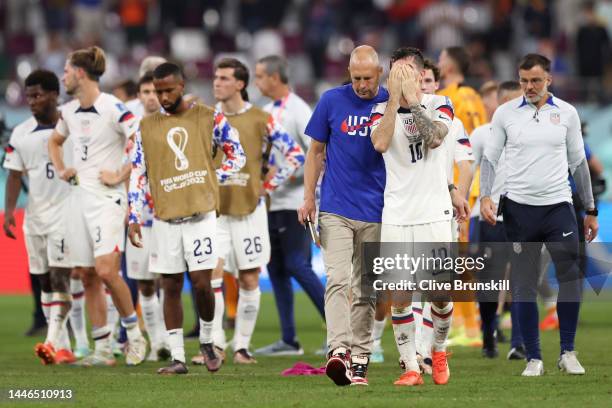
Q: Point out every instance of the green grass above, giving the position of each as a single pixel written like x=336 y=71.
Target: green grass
x=475 y=382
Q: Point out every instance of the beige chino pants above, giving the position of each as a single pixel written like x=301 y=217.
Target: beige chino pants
x=348 y=325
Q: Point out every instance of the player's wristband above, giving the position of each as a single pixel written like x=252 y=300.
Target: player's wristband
x=451 y=187
x=592 y=212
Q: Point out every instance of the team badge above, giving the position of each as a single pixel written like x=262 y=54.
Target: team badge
x=410 y=126
x=555 y=118
x=517 y=248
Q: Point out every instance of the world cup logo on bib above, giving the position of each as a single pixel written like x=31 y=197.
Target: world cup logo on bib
x=181 y=163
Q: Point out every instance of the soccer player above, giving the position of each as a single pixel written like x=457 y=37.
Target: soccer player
x=407 y=130
x=173 y=157
x=498 y=259
x=290 y=242
x=459 y=154
x=137 y=259
x=243 y=224
x=542 y=140
x=46 y=213
x=350 y=210
x=99 y=126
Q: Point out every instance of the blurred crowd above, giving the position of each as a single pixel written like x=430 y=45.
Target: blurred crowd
x=316 y=35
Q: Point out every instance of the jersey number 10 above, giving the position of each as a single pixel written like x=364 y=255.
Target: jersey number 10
x=416 y=151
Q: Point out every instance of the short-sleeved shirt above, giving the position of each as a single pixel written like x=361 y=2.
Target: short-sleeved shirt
x=99 y=134
x=28 y=152
x=354 y=180
x=416 y=190
x=457 y=145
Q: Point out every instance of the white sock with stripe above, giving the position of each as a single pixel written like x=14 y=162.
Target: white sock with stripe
x=403 y=329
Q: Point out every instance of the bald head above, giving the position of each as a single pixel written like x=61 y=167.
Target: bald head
x=365 y=71
x=364 y=54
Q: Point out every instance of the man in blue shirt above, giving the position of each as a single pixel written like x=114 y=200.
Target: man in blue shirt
x=350 y=210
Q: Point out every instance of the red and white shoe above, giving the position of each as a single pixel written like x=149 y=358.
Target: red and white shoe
x=440 y=371
x=359 y=370
x=45 y=352
x=338 y=366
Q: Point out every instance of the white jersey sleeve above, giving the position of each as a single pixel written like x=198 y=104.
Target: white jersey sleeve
x=12 y=157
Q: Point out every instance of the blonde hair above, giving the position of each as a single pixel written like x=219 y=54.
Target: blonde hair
x=92 y=60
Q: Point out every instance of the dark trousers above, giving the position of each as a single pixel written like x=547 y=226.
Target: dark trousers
x=291 y=258
x=527 y=228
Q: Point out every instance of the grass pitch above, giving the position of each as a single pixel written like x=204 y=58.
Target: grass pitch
x=475 y=382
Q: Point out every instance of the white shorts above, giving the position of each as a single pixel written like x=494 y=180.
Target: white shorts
x=416 y=242
x=454 y=230
x=189 y=246
x=46 y=251
x=247 y=237
x=137 y=259
x=440 y=231
x=97 y=225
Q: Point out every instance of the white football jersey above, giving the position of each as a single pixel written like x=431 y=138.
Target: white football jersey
x=99 y=135
x=416 y=190
x=458 y=147
x=28 y=152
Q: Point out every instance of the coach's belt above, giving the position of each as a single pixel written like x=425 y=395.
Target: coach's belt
x=190 y=218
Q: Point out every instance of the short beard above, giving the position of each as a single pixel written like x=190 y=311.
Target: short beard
x=175 y=105
x=537 y=98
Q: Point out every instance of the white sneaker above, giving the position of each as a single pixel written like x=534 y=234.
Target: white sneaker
x=136 y=351
x=569 y=363
x=97 y=358
x=535 y=368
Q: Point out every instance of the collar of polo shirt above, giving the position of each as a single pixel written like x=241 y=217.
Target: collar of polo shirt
x=550 y=101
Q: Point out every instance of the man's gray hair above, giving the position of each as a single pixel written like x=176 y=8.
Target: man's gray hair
x=149 y=64
x=276 y=64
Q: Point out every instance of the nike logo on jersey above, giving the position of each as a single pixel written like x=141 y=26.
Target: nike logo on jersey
x=201 y=261
x=567 y=234
x=253 y=259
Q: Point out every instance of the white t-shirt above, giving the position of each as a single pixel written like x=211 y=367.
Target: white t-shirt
x=293 y=114
x=28 y=152
x=99 y=135
x=457 y=145
x=416 y=190
x=479 y=139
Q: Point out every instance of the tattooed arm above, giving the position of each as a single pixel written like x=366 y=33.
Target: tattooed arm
x=432 y=133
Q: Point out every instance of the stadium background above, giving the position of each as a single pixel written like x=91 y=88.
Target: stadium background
x=316 y=36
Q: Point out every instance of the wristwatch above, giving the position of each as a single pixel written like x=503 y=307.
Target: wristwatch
x=451 y=187
x=592 y=212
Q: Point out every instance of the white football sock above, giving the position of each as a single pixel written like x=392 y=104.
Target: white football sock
x=131 y=327
x=101 y=337
x=403 y=329
x=218 y=334
x=206 y=329
x=425 y=342
x=176 y=344
x=77 y=314
x=441 y=325
x=60 y=306
x=378 y=330
x=246 y=317
x=45 y=301
x=151 y=314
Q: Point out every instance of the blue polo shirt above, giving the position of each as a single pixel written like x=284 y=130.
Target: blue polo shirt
x=354 y=180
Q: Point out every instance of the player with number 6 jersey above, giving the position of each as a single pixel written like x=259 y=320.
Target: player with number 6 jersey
x=46 y=213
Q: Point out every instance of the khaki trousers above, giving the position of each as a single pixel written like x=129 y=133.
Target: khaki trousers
x=348 y=325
